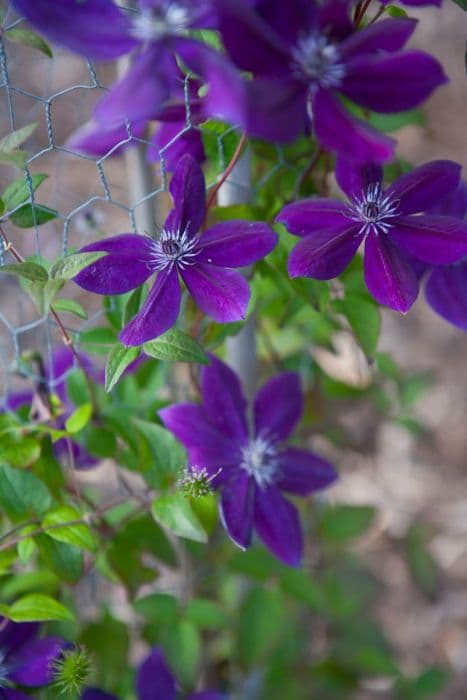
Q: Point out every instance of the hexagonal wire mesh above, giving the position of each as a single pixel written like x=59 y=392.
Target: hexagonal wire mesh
x=111 y=193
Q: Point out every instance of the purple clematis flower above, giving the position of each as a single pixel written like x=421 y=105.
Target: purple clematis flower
x=204 y=261
x=305 y=57
x=388 y=221
x=55 y=379
x=446 y=286
x=251 y=469
x=154 y=681
x=100 y=30
x=25 y=660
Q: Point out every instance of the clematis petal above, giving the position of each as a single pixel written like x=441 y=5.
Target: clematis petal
x=33 y=665
x=354 y=178
x=303 y=472
x=13 y=635
x=207 y=446
x=155 y=679
x=417 y=190
x=385 y=35
x=236 y=507
x=394 y=82
x=97 y=29
x=18 y=399
x=350 y=137
x=278 y=406
x=126 y=266
x=222 y=294
x=275 y=109
x=289 y=20
x=260 y=49
x=304 y=217
x=334 y=19
x=141 y=92
x=446 y=293
x=172 y=141
x=278 y=525
x=97 y=139
x=325 y=254
x=12 y=694
x=438 y=240
x=454 y=204
x=189 y=196
x=236 y=243
x=158 y=313
x=389 y=275
x=207 y=695
x=96 y=694
x=223 y=400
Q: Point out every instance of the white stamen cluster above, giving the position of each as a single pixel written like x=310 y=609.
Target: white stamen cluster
x=197 y=482
x=317 y=58
x=373 y=210
x=173 y=248
x=260 y=459
x=151 y=25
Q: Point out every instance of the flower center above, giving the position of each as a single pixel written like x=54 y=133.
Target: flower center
x=374 y=210
x=317 y=58
x=174 y=248
x=153 y=24
x=260 y=459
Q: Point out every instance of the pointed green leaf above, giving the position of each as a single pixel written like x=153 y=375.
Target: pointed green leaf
x=68 y=267
x=28 y=270
x=36 y=607
x=18 y=191
x=119 y=359
x=22 y=494
x=16 y=138
x=174 y=512
x=364 y=318
x=17 y=158
x=70 y=306
x=176 y=346
x=79 y=534
x=28 y=38
x=79 y=418
x=30 y=215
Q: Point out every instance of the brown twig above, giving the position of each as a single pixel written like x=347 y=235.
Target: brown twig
x=226 y=173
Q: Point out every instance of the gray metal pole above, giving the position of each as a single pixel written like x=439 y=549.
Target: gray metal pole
x=241 y=349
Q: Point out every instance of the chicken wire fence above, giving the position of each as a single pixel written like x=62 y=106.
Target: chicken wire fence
x=113 y=193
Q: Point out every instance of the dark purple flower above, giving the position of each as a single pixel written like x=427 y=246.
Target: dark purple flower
x=100 y=30
x=25 y=660
x=154 y=681
x=54 y=378
x=204 y=261
x=446 y=287
x=388 y=221
x=304 y=58
x=251 y=469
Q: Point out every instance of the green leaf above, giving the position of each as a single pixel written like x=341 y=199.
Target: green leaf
x=30 y=215
x=260 y=625
x=22 y=494
x=22 y=453
x=98 y=340
x=423 y=568
x=176 y=346
x=340 y=523
x=37 y=607
x=79 y=535
x=174 y=512
x=79 y=418
x=70 y=306
x=65 y=560
x=205 y=614
x=42 y=293
x=158 y=608
x=18 y=192
x=119 y=359
x=182 y=644
x=16 y=138
x=107 y=641
x=28 y=38
x=26 y=547
x=28 y=270
x=17 y=158
x=66 y=268
x=364 y=318
x=166 y=455
x=395 y=11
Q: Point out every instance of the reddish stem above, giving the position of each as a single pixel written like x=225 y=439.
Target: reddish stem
x=226 y=173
